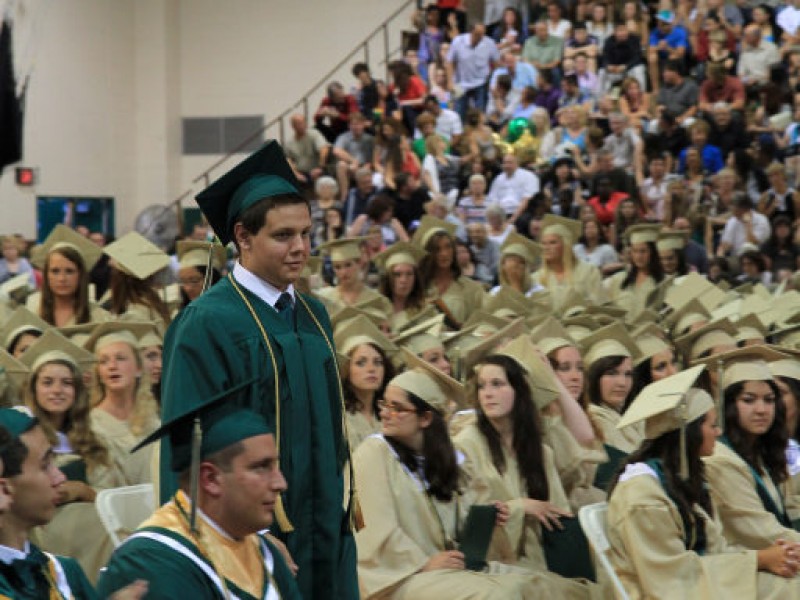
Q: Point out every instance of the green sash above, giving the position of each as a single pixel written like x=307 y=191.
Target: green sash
x=763 y=493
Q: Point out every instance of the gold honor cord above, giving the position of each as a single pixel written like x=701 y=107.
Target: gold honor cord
x=357 y=521
x=50 y=576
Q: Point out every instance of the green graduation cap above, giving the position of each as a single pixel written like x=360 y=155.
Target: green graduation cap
x=17 y=420
x=263 y=174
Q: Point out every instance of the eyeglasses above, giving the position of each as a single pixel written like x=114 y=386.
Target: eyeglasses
x=394 y=410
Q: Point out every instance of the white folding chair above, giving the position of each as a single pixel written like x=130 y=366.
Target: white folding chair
x=593 y=522
x=123 y=509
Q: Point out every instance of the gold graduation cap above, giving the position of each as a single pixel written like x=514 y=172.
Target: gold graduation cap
x=786 y=367
x=53 y=346
x=518 y=245
x=580 y=327
x=573 y=304
x=650 y=341
x=475 y=354
x=611 y=340
x=22 y=321
x=152 y=337
x=343 y=249
x=423 y=336
x=568 y=230
x=425 y=314
x=399 y=253
x=17 y=288
x=643 y=233
x=669 y=404
x=750 y=328
x=358 y=331
x=550 y=336
x=672 y=240
x=688 y=316
x=344 y=315
x=135 y=255
x=694 y=285
x=483 y=320
x=192 y=253
x=428 y=383
x=507 y=299
x=644 y=317
x=111 y=332
x=428 y=226
x=14 y=369
x=64 y=237
x=541 y=379
x=695 y=344
x=264 y=174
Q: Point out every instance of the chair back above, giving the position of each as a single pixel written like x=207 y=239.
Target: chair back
x=123 y=509
x=593 y=522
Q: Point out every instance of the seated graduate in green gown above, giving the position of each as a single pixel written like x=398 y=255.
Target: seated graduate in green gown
x=207 y=546
x=33 y=482
x=254 y=323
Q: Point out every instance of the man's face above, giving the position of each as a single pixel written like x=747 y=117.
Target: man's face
x=364 y=183
x=699 y=137
x=199 y=233
x=617 y=125
x=279 y=250
x=722 y=117
x=657 y=168
x=510 y=61
x=580 y=64
x=681 y=224
x=299 y=125
x=433 y=107
x=35 y=490
x=604 y=188
x=509 y=164
x=664 y=27
x=250 y=488
x=337 y=93
x=541 y=31
x=477 y=234
x=357 y=127
x=621 y=33
x=477 y=34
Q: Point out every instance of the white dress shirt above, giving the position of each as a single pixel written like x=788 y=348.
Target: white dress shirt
x=263 y=289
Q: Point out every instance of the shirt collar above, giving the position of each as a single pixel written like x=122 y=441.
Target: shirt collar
x=8 y=554
x=263 y=289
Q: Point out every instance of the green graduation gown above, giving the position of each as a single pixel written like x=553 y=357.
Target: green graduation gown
x=163 y=553
x=215 y=344
x=27 y=580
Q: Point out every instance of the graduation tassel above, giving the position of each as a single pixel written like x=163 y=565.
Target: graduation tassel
x=281 y=517
x=684 y=464
x=209 y=263
x=720 y=398
x=194 y=473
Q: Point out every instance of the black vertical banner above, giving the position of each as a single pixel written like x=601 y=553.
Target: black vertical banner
x=10 y=104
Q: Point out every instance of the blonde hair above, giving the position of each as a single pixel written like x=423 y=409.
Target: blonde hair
x=145 y=407
x=568 y=261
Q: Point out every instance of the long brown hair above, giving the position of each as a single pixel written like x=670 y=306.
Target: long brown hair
x=77 y=426
x=416 y=299
x=80 y=303
x=127 y=290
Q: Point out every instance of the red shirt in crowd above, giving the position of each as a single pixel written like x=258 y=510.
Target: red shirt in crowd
x=605 y=212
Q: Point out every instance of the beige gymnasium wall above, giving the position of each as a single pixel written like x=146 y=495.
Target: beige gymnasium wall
x=113 y=78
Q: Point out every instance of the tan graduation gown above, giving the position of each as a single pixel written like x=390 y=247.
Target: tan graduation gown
x=96 y=314
x=744 y=519
x=462 y=298
x=586 y=281
x=634 y=297
x=120 y=440
x=402 y=532
x=648 y=552
x=576 y=465
x=606 y=419
x=519 y=542
x=360 y=428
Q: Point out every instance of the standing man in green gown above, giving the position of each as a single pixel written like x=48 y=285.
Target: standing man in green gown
x=255 y=324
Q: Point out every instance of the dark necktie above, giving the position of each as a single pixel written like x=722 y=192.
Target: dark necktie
x=285 y=308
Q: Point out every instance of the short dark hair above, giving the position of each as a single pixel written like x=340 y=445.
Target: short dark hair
x=674 y=65
x=359 y=68
x=253 y=217
x=13 y=453
x=379 y=205
x=223 y=459
x=741 y=200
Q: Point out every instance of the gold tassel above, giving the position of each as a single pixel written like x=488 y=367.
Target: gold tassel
x=356 y=516
x=281 y=517
x=684 y=465
x=194 y=472
x=720 y=398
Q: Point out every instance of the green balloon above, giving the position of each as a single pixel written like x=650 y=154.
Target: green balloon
x=515 y=128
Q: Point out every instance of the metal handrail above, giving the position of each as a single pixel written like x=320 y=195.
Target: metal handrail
x=362 y=47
